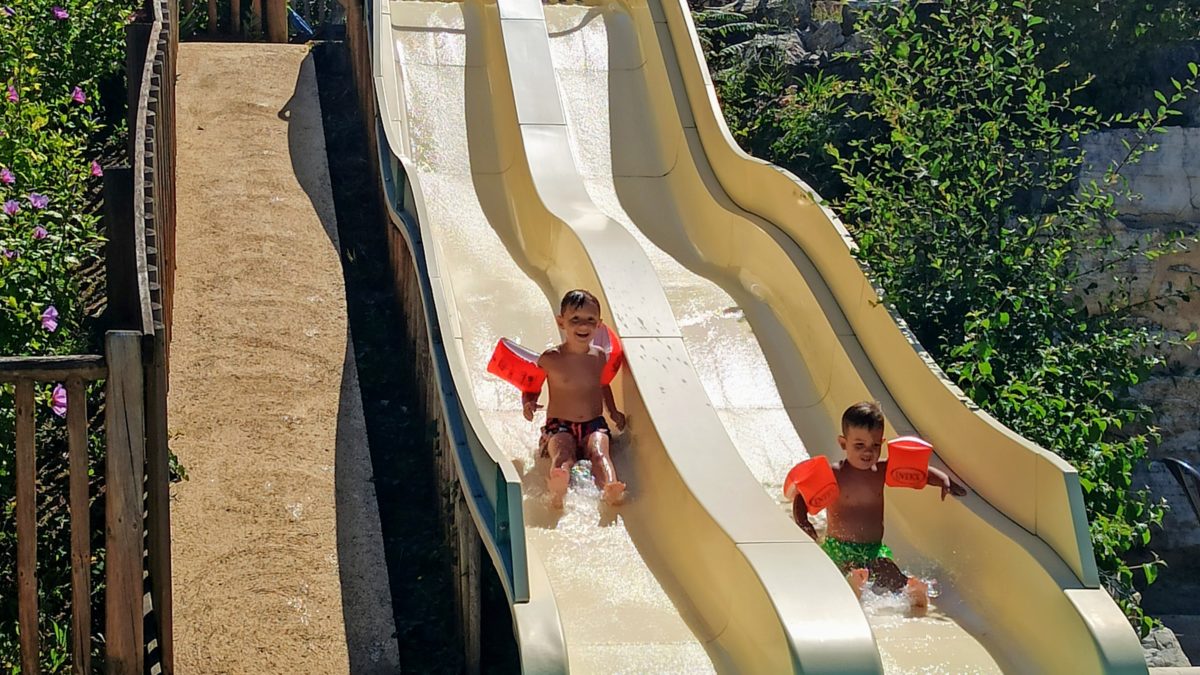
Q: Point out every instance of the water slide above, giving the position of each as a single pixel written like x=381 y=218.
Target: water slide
x=529 y=149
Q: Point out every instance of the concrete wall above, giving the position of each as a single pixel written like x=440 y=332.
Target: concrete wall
x=1168 y=181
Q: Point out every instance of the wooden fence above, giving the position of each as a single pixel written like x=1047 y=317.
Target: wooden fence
x=139 y=216
x=267 y=18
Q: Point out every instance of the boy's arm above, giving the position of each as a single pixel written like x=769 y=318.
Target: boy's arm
x=800 y=514
x=939 y=478
x=610 y=403
x=529 y=399
x=529 y=403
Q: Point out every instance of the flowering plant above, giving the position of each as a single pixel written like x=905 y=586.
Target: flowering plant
x=54 y=55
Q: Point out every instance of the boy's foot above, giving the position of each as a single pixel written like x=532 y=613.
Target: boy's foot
x=858 y=579
x=556 y=485
x=918 y=593
x=613 y=493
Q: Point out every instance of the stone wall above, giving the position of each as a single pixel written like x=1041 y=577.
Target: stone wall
x=1168 y=181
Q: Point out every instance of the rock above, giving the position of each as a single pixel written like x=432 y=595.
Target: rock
x=854 y=44
x=1162 y=650
x=789 y=12
x=826 y=37
x=849 y=18
x=786 y=46
x=781 y=12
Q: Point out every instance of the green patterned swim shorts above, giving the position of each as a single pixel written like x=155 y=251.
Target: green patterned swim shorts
x=851 y=554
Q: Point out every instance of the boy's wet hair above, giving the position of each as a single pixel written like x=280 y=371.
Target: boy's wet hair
x=576 y=299
x=862 y=415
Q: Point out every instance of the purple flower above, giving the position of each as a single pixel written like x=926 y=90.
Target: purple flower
x=8 y=254
x=58 y=401
x=38 y=201
x=78 y=96
x=40 y=232
x=9 y=11
x=12 y=94
x=50 y=319
x=11 y=207
x=96 y=170
x=6 y=176
x=59 y=13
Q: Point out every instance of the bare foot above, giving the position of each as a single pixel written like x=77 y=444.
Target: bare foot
x=556 y=485
x=614 y=493
x=858 y=579
x=918 y=594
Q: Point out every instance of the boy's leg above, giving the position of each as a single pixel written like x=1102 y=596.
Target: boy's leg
x=888 y=575
x=857 y=578
x=602 y=468
x=561 y=447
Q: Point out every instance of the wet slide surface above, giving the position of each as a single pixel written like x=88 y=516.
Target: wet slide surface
x=625 y=159
x=615 y=615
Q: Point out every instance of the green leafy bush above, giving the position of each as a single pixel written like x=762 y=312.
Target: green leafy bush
x=954 y=156
x=1125 y=45
x=967 y=206
x=53 y=57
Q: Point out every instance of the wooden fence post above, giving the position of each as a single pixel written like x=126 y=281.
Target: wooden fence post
x=137 y=40
x=121 y=253
x=126 y=429
x=27 y=601
x=158 y=484
x=81 y=528
x=277 y=21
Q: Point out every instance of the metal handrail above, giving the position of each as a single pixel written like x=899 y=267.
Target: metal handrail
x=1183 y=473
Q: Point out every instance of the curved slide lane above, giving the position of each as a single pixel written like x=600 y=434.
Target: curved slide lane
x=527 y=150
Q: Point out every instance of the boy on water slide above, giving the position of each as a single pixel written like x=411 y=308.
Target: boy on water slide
x=575 y=426
x=854 y=537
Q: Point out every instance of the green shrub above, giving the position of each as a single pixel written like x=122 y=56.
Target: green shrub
x=966 y=205
x=53 y=57
x=954 y=156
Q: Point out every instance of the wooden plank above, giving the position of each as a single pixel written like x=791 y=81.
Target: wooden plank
x=470 y=550
x=81 y=527
x=235 y=17
x=125 y=431
x=277 y=22
x=51 y=368
x=212 y=17
x=120 y=251
x=158 y=483
x=27 y=601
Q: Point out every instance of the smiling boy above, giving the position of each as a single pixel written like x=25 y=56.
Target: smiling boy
x=575 y=426
x=854 y=537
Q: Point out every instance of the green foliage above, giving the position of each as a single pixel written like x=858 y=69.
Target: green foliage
x=1121 y=43
x=965 y=202
x=954 y=154
x=774 y=111
x=53 y=56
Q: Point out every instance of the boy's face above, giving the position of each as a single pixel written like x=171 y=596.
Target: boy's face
x=862 y=446
x=579 y=324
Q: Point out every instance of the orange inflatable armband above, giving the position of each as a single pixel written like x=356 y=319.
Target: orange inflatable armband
x=814 y=479
x=608 y=341
x=517 y=365
x=908 y=462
